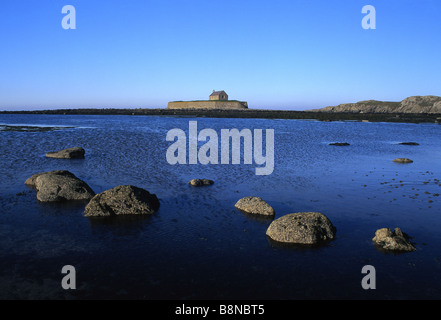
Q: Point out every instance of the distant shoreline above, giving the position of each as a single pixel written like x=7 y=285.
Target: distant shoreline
x=249 y=113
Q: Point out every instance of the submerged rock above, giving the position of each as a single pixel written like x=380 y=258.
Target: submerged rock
x=69 y=153
x=403 y=160
x=122 y=200
x=309 y=228
x=59 y=185
x=19 y=128
x=340 y=144
x=393 y=241
x=201 y=182
x=254 y=205
x=410 y=143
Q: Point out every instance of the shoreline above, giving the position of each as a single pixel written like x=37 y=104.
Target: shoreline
x=249 y=113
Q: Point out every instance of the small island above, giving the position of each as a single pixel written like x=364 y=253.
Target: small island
x=218 y=100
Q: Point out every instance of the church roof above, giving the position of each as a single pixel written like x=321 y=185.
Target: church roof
x=216 y=93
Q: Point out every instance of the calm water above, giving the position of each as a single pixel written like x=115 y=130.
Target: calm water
x=197 y=246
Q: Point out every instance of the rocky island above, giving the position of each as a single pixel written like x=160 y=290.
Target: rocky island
x=218 y=100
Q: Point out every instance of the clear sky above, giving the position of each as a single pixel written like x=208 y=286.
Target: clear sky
x=275 y=54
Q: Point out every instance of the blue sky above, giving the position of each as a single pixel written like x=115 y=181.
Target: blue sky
x=278 y=54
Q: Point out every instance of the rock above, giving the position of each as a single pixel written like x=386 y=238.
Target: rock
x=201 y=182
x=309 y=228
x=340 y=144
x=254 y=205
x=60 y=185
x=70 y=153
x=402 y=160
x=31 y=181
x=122 y=200
x=410 y=143
x=393 y=241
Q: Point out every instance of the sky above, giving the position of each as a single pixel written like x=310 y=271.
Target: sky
x=274 y=54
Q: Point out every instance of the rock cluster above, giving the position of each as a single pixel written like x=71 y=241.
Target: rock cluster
x=62 y=185
x=302 y=228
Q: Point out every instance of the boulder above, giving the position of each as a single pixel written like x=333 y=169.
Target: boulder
x=392 y=241
x=60 y=185
x=201 y=182
x=122 y=200
x=402 y=160
x=340 y=144
x=70 y=153
x=254 y=205
x=31 y=180
x=309 y=228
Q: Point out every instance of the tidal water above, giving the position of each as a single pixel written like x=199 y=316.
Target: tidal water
x=198 y=246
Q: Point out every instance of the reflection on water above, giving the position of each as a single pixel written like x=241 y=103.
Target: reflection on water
x=120 y=226
x=198 y=246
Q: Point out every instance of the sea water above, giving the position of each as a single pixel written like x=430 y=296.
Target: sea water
x=198 y=246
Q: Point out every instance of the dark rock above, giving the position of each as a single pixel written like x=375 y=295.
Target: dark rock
x=254 y=205
x=310 y=228
x=122 y=200
x=19 y=128
x=201 y=182
x=60 y=185
x=70 y=153
x=22 y=193
x=393 y=241
x=340 y=144
x=410 y=143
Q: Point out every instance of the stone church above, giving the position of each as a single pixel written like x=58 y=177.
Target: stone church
x=218 y=95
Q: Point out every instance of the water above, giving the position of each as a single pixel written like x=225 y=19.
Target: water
x=198 y=246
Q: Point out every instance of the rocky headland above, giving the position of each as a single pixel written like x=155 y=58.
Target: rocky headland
x=414 y=104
